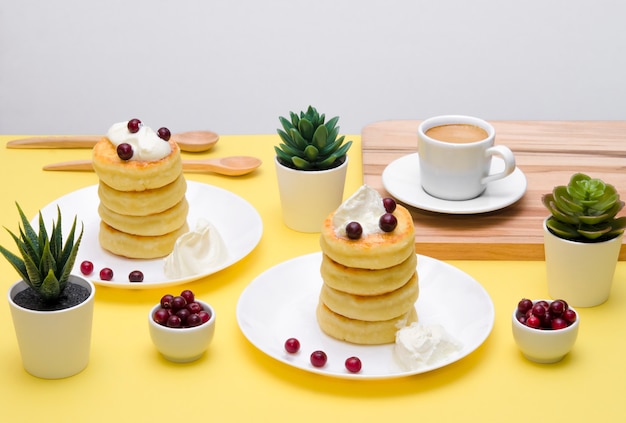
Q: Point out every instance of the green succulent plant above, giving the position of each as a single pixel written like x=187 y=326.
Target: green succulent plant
x=309 y=143
x=45 y=263
x=584 y=210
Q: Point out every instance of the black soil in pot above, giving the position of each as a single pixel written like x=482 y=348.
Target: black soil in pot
x=72 y=295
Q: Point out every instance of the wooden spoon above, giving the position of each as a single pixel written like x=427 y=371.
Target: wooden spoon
x=192 y=141
x=229 y=166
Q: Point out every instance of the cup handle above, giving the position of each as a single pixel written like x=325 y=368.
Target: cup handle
x=509 y=162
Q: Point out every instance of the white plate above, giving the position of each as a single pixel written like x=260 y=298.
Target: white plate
x=238 y=223
x=280 y=304
x=401 y=178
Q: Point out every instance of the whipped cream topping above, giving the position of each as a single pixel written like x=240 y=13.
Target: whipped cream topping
x=146 y=143
x=195 y=252
x=420 y=345
x=364 y=206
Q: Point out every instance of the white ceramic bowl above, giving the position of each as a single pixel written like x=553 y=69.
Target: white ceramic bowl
x=544 y=346
x=182 y=345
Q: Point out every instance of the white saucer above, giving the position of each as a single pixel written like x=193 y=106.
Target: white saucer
x=401 y=178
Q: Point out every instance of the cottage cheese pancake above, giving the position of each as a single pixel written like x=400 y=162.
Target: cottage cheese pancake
x=373 y=251
x=360 y=331
x=372 y=307
x=136 y=246
x=357 y=281
x=150 y=225
x=142 y=203
x=135 y=175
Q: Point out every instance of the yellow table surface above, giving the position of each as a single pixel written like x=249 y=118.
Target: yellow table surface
x=127 y=380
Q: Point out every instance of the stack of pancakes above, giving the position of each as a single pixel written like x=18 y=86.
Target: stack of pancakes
x=370 y=284
x=143 y=209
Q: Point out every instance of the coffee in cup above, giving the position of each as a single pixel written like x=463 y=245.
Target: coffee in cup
x=460 y=133
x=455 y=155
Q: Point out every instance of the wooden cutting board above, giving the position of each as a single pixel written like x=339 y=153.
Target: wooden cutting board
x=548 y=152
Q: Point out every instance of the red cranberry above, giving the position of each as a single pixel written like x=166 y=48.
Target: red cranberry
x=205 y=316
x=569 y=315
x=135 y=276
x=188 y=295
x=106 y=274
x=161 y=315
x=546 y=320
x=524 y=305
x=353 y=364
x=194 y=307
x=86 y=267
x=557 y=307
x=183 y=313
x=318 y=358
x=388 y=222
x=164 y=134
x=558 y=323
x=125 y=151
x=292 y=345
x=194 y=320
x=539 y=310
x=533 y=321
x=166 y=301
x=133 y=125
x=354 y=230
x=173 y=321
x=178 y=302
x=389 y=204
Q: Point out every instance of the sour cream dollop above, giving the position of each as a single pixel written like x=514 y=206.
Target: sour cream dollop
x=146 y=143
x=420 y=345
x=365 y=206
x=196 y=252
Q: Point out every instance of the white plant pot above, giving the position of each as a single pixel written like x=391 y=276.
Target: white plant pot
x=54 y=344
x=308 y=197
x=580 y=273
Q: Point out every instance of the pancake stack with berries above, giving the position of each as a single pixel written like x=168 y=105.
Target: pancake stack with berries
x=370 y=276
x=143 y=208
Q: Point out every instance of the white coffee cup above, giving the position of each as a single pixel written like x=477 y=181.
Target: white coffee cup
x=456 y=165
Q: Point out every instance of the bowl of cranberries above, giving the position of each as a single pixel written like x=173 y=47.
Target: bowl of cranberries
x=545 y=331
x=181 y=326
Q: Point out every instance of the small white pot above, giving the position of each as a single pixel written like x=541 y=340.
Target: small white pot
x=544 y=346
x=308 y=197
x=580 y=273
x=54 y=344
x=182 y=345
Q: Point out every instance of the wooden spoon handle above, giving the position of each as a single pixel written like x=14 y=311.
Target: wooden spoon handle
x=65 y=141
x=199 y=166
x=188 y=166
x=86 y=165
x=80 y=165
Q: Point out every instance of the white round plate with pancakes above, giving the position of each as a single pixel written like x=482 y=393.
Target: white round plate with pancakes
x=236 y=220
x=280 y=304
x=401 y=178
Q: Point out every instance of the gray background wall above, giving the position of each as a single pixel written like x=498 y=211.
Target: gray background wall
x=234 y=66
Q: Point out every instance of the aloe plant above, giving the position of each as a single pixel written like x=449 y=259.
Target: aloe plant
x=584 y=210
x=45 y=263
x=310 y=143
